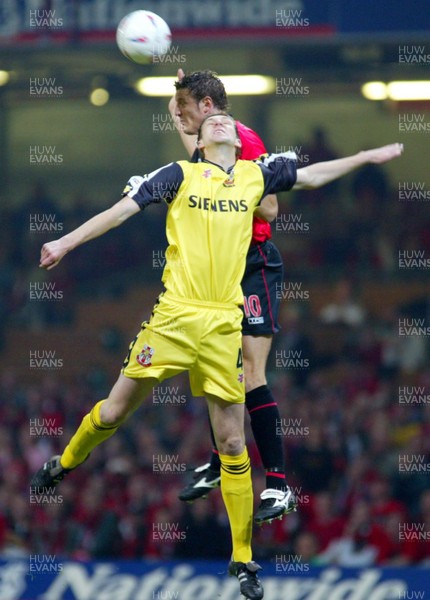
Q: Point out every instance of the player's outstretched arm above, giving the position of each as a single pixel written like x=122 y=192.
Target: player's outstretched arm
x=53 y=252
x=322 y=173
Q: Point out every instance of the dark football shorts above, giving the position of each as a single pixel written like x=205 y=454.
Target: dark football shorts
x=261 y=285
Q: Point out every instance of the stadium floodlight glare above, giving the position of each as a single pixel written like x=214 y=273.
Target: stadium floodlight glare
x=235 y=85
x=396 y=90
x=409 y=90
x=374 y=90
x=99 y=97
x=239 y=85
x=4 y=77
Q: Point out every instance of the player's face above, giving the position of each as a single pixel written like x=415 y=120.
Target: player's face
x=219 y=129
x=190 y=112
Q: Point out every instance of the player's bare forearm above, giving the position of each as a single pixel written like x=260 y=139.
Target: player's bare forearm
x=268 y=208
x=53 y=252
x=320 y=174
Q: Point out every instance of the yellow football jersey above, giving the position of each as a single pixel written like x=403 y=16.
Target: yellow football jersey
x=209 y=222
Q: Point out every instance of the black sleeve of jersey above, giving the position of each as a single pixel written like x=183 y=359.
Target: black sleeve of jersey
x=279 y=172
x=162 y=184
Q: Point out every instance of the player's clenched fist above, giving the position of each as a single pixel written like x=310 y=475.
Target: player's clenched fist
x=384 y=153
x=51 y=254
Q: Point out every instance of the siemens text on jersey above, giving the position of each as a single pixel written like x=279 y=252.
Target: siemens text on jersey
x=217 y=205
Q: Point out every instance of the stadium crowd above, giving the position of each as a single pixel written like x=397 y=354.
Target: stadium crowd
x=355 y=417
x=358 y=460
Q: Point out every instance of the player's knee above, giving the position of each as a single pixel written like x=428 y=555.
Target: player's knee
x=232 y=445
x=111 y=415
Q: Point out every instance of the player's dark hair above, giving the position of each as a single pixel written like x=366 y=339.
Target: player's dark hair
x=204 y=83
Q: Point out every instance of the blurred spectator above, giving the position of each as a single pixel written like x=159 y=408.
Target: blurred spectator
x=293 y=350
x=324 y=523
x=403 y=552
x=313 y=461
x=344 y=309
x=319 y=149
x=418 y=307
x=410 y=476
x=423 y=528
x=361 y=544
x=306 y=546
x=197 y=521
x=382 y=504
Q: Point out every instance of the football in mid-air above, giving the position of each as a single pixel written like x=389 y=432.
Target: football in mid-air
x=142 y=35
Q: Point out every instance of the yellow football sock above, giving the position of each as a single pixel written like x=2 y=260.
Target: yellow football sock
x=236 y=488
x=90 y=434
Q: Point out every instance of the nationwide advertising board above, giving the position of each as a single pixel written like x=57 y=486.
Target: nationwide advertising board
x=42 y=577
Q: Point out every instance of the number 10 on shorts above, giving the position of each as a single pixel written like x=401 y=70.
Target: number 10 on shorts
x=252 y=306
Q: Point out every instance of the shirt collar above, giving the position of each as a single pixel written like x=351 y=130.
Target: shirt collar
x=229 y=170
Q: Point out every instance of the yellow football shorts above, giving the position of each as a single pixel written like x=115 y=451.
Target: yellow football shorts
x=204 y=339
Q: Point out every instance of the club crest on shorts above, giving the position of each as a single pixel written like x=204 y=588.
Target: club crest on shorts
x=145 y=356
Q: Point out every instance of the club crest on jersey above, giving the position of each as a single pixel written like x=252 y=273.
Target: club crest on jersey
x=145 y=356
x=207 y=173
x=229 y=182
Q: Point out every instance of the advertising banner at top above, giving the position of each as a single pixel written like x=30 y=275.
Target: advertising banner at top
x=97 y=19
